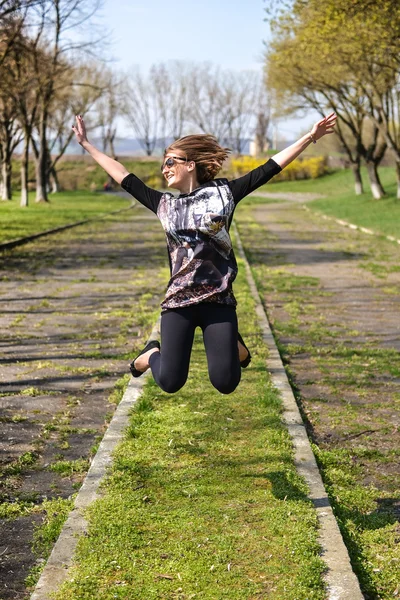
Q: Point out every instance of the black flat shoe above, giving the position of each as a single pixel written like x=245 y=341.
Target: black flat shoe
x=149 y=346
x=244 y=363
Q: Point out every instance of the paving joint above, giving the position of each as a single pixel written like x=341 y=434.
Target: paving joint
x=341 y=581
x=24 y=240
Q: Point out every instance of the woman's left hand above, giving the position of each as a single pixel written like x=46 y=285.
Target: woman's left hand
x=324 y=126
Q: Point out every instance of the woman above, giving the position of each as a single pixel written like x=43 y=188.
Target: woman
x=203 y=265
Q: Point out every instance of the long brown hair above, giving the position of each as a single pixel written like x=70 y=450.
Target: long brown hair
x=205 y=151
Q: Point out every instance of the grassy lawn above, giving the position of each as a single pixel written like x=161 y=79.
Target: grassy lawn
x=341 y=202
x=203 y=499
x=63 y=208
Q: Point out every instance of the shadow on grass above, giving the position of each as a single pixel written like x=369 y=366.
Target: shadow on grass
x=378 y=519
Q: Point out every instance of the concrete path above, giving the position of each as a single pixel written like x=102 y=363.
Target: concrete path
x=357 y=300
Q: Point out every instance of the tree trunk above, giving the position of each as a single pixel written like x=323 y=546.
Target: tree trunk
x=358 y=184
x=398 y=178
x=376 y=187
x=41 y=163
x=24 y=172
x=55 y=184
x=6 y=178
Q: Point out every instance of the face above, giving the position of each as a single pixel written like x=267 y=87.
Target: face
x=180 y=172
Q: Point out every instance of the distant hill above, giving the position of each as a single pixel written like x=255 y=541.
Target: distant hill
x=132 y=147
x=123 y=147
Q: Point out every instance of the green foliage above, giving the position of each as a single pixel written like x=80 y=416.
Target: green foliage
x=341 y=55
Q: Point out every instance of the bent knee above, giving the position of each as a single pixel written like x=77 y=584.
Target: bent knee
x=225 y=384
x=171 y=385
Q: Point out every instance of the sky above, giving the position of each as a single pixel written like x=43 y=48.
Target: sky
x=229 y=33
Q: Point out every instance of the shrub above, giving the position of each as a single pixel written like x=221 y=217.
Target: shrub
x=306 y=168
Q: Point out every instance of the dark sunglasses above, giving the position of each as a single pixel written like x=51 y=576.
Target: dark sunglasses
x=171 y=161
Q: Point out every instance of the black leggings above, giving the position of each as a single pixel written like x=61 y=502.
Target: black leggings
x=218 y=322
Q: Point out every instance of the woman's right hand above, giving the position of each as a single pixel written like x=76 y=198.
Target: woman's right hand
x=80 y=130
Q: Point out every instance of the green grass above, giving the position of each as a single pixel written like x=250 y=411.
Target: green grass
x=26 y=461
x=330 y=185
x=63 y=208
x=66 y=468
x=340 y=200
x=55 y=513
x=203 y=499
x=12 y=510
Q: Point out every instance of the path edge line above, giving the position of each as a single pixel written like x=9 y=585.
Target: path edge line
x=340 y=579
x=349 y=225
x=60 y=560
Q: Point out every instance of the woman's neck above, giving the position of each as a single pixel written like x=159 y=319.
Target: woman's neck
x=186 y=187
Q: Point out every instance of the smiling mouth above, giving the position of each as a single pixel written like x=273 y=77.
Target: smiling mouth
x=170 y=175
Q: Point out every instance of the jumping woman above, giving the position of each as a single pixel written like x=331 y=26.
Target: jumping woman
x=203 y=266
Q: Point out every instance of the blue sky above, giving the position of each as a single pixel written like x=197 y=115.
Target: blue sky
x=229 y=33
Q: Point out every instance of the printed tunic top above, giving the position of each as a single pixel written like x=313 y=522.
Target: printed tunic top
x=202 y=261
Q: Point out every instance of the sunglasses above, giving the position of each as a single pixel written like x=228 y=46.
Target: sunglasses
x=171 y=161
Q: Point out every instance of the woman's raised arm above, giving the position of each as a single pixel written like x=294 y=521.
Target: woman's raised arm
x=111 y=166
x=319 y=129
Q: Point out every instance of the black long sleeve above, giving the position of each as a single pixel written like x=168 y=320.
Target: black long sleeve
x=139 y=190
x=243 y=186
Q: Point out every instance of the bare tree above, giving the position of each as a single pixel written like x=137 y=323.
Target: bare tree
x=13 y=16
x=262 y=110
x=10 y=8
x=178 y=100
x=109 y=107
x=55 y=21
x=142 y=110
x=240 y=93
x=179 y=97
x=10 y=137
x=37 y=79
x=22 y=92
x=210 y=110
x=10 y=132
x=77 y=93
x=171 y=85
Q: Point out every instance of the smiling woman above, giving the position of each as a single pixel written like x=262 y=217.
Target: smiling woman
x=204 y=155
x=202 y=261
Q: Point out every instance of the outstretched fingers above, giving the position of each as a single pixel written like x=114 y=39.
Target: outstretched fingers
x=79 y=128
x=328 y=120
